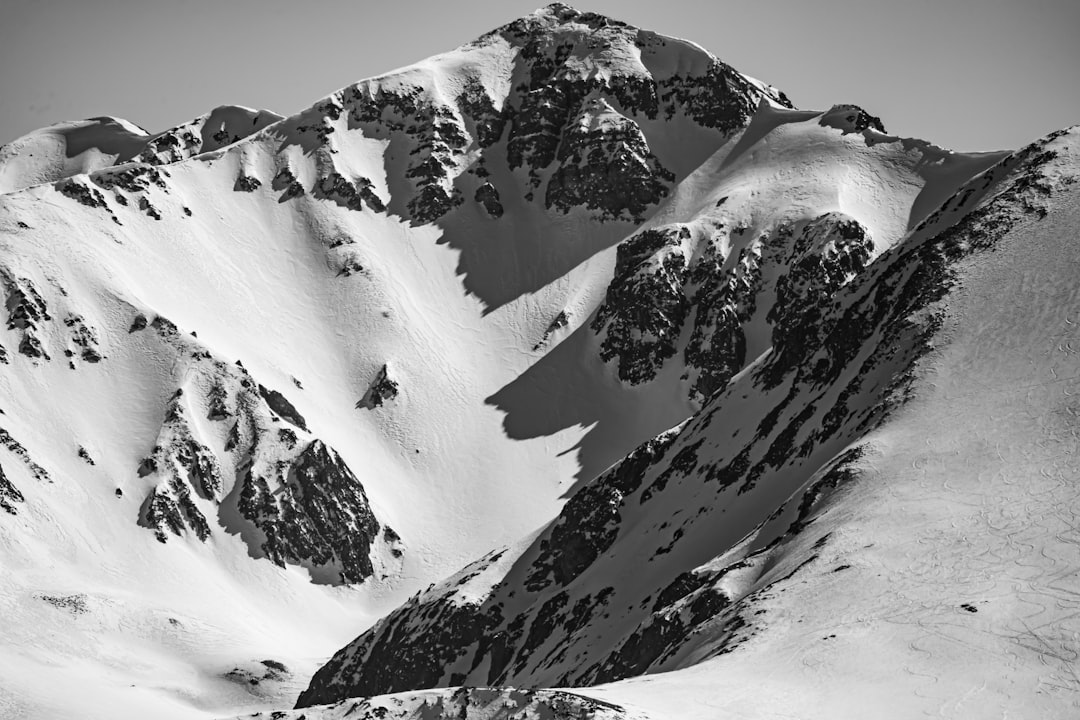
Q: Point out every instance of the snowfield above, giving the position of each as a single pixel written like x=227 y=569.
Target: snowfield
x=571 y=373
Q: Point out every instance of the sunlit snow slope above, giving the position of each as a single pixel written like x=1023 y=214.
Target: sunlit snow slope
x=879 y=512
x=264 y=379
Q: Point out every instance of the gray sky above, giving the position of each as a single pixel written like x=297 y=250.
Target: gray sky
x=966 y=74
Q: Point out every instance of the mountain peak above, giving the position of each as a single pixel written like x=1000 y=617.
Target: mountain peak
x=561 y=13
x=266 y=378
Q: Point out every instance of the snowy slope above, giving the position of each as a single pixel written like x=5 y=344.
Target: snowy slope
x=73 y=148
x=718 y=522
x=274 y=377
x=194 y=348
x=940 y=577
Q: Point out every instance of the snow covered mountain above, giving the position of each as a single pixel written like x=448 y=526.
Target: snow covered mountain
x=715 y=388
x=73 y=148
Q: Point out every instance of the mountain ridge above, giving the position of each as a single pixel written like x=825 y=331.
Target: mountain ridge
x=1020 y=191
x=572 y=299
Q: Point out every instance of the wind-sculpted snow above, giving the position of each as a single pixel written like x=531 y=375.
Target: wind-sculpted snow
x=711 y=520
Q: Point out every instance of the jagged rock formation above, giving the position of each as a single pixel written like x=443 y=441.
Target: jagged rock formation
x=382 y=389
x=557 y=125
x=606 y=166
x=843 y=361
x=472 y=702
x=297 y=501
x=665 y=276
x=741 y=364
x=9 y=494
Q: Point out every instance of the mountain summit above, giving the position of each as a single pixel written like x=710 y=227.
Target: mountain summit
x=571 y=358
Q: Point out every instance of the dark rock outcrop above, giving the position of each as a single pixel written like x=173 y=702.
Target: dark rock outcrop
x=488 y=197
x=557 y=123
x=85 y=338
x=645 y=306
x=851 y=118
x=669 y=276
x=16 y=448
x=170 y=507
x=247 y=183
x=352 y=194
x=9 y=494
x=605 y=165
x=290 y=497
x=834 y=374
x=281 y=405
x=27 y=311
x=382 y=389
x=464 y=702
x=319 y=516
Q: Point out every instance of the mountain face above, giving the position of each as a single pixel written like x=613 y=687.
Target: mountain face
x=562 y=611
x=721 y=393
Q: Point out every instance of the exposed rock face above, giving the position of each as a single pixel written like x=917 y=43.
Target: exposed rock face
x=560 y=321
x=353 y=194
x=132 y=178
x=488 y=197
x=88 y=196
x=851 y=118
x=467 y=702
x=183 y=463
x=605 y=165
x=724 y=282
x=826 y=255
x=287 y=182
x=17 y=449
x=383 y=389
x=170 y=507
x=846 y=340
x=9 y=494
x=319 y=516
x=27 y=312
x=84 y=338
x=590 y=520
x=298 y=500
x=552 y=119
x=645 y=306
x=281 y=405
x=246 y=183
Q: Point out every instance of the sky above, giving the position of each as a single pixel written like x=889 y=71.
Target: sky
x=966 y=74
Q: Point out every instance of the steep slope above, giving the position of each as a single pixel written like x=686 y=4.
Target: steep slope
x=247 y=391
x=262 y=384
x=852 y=452
x=940 y=578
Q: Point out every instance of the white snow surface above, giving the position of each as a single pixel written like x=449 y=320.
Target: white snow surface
x=492 y=428
x=84 y=146
x=948 y=586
